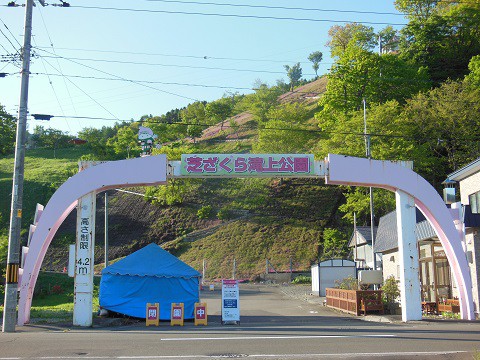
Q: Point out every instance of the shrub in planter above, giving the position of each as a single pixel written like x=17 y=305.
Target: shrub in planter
x=391 y=292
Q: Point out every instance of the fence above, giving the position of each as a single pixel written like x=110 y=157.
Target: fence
x=355 y=301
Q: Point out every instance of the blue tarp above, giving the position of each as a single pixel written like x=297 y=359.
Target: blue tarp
x=149 y=275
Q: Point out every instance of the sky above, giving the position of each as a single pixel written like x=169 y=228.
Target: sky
x=97 y=62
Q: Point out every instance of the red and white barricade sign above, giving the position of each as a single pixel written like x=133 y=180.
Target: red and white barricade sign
x=201 y=314
x=153 y=314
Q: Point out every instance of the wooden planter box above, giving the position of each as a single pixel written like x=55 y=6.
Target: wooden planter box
x=355 y=301
x=451 y=305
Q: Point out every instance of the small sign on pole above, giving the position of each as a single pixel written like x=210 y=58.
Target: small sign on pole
x=177 y=314
x=153 y=312
x=201 y=314
x=212 y=287
x=230 y=302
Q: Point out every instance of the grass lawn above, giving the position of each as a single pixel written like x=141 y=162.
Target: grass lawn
x=53 y=298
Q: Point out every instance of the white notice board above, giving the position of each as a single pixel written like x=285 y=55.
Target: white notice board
x=230 y=301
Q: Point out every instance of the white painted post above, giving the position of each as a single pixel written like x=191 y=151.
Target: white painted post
x=407 y=250
x=83 y=292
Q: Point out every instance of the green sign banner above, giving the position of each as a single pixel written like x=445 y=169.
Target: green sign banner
x=244 y=165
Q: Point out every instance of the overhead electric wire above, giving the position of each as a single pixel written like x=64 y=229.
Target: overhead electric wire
x=360 y=134
x=277 y=7
x=53 y=88
x=169 y=65
x=145 y=81
x=260 y=17
x=8 y=39
x=59 y=67
x=6 y=27
x=131 y=81
x=200 y=57
x=84 y=92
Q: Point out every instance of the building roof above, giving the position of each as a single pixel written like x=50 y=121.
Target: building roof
x=364 y=236
x=465 y=171
x=387 y=237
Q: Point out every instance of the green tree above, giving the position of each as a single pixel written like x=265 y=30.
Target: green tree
x=125 y=141
x=194 y=113
x=97 y=140
x=389 y=39
x=473 y=78
x=194 y=131
x=445 y=123
x=219 y=110
x=335 y=244
x=315 y=58
x=441 y=36
x=294 y=74
x=284 y=131
x=50 y=138
x=352 y=34
x=259 y=103
x=7 y=132
x=360 y=74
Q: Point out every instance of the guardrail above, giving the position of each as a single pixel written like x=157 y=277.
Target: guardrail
x=355 y=301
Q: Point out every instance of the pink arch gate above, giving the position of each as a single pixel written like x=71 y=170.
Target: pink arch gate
x=411 y=191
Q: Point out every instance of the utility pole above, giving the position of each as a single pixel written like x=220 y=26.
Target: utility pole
x=13 y=257
x=106 y=228
x=369 y=156
x=234 y=268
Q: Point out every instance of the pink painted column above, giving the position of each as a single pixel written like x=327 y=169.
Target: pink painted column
x=347 y=170
x=146 y=171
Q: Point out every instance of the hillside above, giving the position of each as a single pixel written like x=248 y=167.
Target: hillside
x=249 y=220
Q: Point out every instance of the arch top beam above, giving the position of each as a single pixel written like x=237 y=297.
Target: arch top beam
x=153 y=170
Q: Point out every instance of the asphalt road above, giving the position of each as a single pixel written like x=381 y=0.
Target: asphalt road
x=273 y=326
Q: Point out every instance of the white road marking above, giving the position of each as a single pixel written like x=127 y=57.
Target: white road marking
x=278 y=337
x=278 y=356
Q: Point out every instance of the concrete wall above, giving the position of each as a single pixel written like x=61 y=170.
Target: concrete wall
x=391 y=265
x=469 y=186
x=473 y=257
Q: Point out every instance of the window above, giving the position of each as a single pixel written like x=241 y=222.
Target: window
x=474 y=200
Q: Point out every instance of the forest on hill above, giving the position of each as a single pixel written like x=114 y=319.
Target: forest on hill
x=419 y=94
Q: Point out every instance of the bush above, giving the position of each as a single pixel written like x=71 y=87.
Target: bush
x=302 y=279
x=224 y=214
x=390 y=290
x=390 y=294
x=349 y=283
x=205 y=212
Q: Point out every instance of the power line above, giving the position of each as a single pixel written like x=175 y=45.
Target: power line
x=320 y=131
x=170 y=65
x=84 y=92
x=8 y=39
x=119 y=77
x=278 y=7
x=233 y=15
x=146 y=81
x=199 y=57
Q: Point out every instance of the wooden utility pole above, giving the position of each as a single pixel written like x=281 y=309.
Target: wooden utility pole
x=13 y=257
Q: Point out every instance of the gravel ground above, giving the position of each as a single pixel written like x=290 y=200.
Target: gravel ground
x=301 y=292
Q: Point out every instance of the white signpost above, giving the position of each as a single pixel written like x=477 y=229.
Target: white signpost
x=83 y=294
x=230 y=302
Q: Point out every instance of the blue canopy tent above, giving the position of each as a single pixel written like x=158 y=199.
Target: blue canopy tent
x=149 y=275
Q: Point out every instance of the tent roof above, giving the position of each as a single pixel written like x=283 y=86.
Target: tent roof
x=151 y=260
